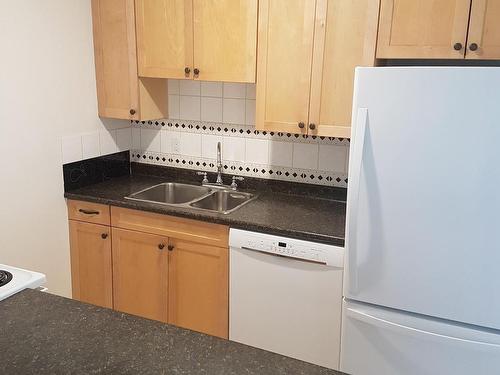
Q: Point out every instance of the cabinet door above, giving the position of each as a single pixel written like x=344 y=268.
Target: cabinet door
x=165 y=38
x=285 y=49
x=335 y=59
x=225 y=40
x=91 y=278
x=115 y=58
x=140 y=274
x=484 y=30
x=423 y=29
x=198 y=288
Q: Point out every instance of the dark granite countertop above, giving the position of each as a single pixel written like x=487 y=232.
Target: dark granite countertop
x=291 y=215
x=46 y=334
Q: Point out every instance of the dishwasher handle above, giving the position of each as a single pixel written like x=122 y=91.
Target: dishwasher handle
x=338 y=262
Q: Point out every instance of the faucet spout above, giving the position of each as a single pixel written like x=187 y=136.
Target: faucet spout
x=219 y=165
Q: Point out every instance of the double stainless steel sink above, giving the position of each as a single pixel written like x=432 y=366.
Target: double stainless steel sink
x=214 y=199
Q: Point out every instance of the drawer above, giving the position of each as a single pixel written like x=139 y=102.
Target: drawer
x=89 y=212
x=184 y=229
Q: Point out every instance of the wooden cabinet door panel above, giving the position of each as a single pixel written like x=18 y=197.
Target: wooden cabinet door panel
x=423 y=28
x=115 y=58
x=198 y=288
x=165 y=38
x=345 y=37
x=225 y=39
x=91 y=270
x=285 y=49
x=484 y=30
x=140 y=274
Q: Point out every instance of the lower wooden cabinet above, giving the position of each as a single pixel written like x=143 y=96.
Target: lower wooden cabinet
x=91 y=263
x=198 y=287
x=159 y=267
x=140 y=274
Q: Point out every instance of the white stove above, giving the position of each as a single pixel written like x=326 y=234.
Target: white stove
x=14 y=280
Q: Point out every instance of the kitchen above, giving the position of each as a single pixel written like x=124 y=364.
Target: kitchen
x=271 y=186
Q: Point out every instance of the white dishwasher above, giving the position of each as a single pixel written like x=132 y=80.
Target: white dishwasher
x=286 y=296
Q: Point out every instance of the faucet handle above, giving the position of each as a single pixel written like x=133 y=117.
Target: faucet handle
x=205 y=178
x=234 y=185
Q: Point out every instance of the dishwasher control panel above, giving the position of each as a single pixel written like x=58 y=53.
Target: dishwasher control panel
x=291 y=248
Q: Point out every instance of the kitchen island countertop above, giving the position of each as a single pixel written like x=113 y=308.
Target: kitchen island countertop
x=47 y=334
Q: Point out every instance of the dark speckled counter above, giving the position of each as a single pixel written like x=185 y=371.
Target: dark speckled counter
x=296 y=216
x=45 y=334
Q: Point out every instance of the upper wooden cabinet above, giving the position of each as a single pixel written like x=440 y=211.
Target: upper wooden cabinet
x=120 y=92
x=439 y=29
x=484 y=30
x=346 y=35
x=307 y=53
x=210 y=40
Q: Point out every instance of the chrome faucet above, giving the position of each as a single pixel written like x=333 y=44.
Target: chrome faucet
x=219 y=184
x=219 y=165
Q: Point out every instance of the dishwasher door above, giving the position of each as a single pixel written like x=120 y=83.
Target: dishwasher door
x=287 y=306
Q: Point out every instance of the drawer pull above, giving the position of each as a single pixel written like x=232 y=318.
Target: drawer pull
x=88 y=212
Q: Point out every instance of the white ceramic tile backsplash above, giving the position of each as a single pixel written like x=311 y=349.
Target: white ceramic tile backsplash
x=174 y=104
x=90 y=145
x=107 y=141
x=136 y=138
x=190 y=88
x=190 y=108
x=209 y=146
x=234 y=111
x=332 y=158
x=190 y=144
x=195 y=101
x=235 y=90
x=211 y=109
x=124 y=139
x=204 y=113
x=234 y=149
x=305 y=156
x=71 y=149
x=150 y=140
x=257 y=151
x=213 y=89
x=281 y=153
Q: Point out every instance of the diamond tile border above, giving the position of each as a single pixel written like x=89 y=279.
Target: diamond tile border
x=233 y=130
x=243 y=169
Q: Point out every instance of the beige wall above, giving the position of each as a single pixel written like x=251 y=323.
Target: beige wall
x=47 y=90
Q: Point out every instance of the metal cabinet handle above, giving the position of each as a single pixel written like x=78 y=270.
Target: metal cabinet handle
x=473 y=47
x=302 y=125
x=132 y=112
x=187 y=70
x=196 y=71
x=170 y=247
x=104 y=236
x=161 y=246
x=312 y=126
x=457 y=46
x=88 y=212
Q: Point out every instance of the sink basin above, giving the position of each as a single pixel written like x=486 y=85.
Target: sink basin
x=223 y=201
x=171 y=193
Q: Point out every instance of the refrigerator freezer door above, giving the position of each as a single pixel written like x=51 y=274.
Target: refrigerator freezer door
x=381 y=341
x=424 y=192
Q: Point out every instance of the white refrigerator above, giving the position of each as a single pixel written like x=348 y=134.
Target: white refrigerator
x=422 y=280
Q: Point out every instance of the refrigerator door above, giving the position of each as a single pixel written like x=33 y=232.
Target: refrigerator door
x=424 y=192
x=382 y=341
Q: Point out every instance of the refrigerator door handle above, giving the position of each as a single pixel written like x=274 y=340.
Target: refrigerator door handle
x=354 y=177
x=382 y=323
